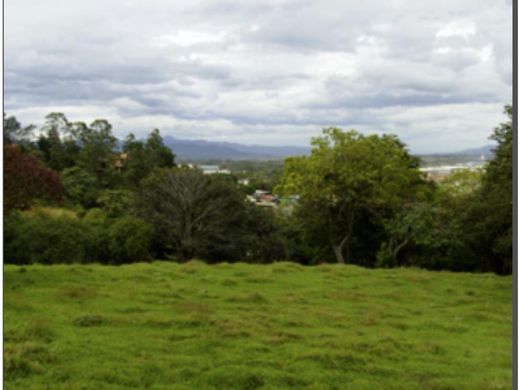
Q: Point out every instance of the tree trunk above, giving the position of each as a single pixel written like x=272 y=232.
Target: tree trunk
x=338 y=251
x=338 y=248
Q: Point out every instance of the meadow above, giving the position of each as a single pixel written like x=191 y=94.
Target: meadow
x=165 y=325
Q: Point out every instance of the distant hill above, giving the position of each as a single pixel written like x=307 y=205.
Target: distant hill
x=192 y=150
x=206 y=150
x=484 y=150
x=474 y=156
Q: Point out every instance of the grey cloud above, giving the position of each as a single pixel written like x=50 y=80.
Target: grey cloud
x=244 y=70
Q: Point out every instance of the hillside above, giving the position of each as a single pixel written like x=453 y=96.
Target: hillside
x=193 y=150
x=195 y=326
x=197 y=150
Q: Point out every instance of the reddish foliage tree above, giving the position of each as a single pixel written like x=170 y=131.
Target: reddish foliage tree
x=26 y=178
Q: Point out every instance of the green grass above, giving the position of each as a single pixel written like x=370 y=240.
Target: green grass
x=282 y=326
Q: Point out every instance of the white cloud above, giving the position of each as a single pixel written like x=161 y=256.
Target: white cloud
x=264 y=72
x=458 y=28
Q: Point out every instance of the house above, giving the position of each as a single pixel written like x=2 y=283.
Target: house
x=120 y=161
x=259 y=193
x=263 y=199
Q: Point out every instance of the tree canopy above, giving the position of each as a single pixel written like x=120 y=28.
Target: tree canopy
x=194 y=214
x=349 y=175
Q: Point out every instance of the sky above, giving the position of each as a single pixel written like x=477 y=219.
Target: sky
x=435 y=72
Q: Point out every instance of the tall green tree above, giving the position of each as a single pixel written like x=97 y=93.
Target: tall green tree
x=491 y=214
x=144 y=157
x=347 y=177
x=57 y=142
x=160 y=155
x=98 y=150
x=80 y=186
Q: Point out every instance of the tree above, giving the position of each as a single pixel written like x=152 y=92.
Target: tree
x=430 y=232
x=160 y=155
x=264 y=239
x=26 y=179
x=116 y=202
x=491 y=213
x=40 y=238
x=57 y=142
x=129 y=240
x=97 y=153
x=347 y=177
x=461 y=184
x=143 y=157
x=420 y=224
x=80 y=186
x=14 y=132
x=137 y=164
x=193 y=214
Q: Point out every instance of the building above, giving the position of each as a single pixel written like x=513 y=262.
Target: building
x=120 y=161
x=213 y=169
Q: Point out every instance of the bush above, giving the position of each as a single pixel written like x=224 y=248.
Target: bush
x=80 y=186
x=27 y=179
x=98 y=241
x=50 y=236
x=116 y=202
x=129 y=240
x=40 y=238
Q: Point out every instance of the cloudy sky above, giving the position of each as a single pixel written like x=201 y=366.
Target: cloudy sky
x=273 y=72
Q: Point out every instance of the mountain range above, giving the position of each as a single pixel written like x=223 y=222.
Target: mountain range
x=187 y=150
x=196 y=150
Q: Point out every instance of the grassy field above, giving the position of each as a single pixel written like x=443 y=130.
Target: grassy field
x=195 y=326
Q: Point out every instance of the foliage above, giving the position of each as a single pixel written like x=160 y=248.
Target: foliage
x=347 y=175
x=159 y=155
x=49 y=236
x=491 y=213
x=129 y=240
x=264 y=239
x=116 y=202
x=42 y=239
x=194 y=215
x=26 y=179
x=14 y=133
x=143 y=157
x=461 y=184
x=412 y=223
x=80 y=186
x=357 y=198
x=57 y=142
x=97 y=153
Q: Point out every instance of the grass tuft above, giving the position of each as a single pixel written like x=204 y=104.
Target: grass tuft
x=89 y=320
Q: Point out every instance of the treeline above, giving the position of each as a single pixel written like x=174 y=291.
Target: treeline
x=74 y=193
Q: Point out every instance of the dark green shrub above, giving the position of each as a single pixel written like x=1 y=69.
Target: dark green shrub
x=97 y=240
x=80 y=186
x=116 y=202
x=41 y=238
x=129 y=240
